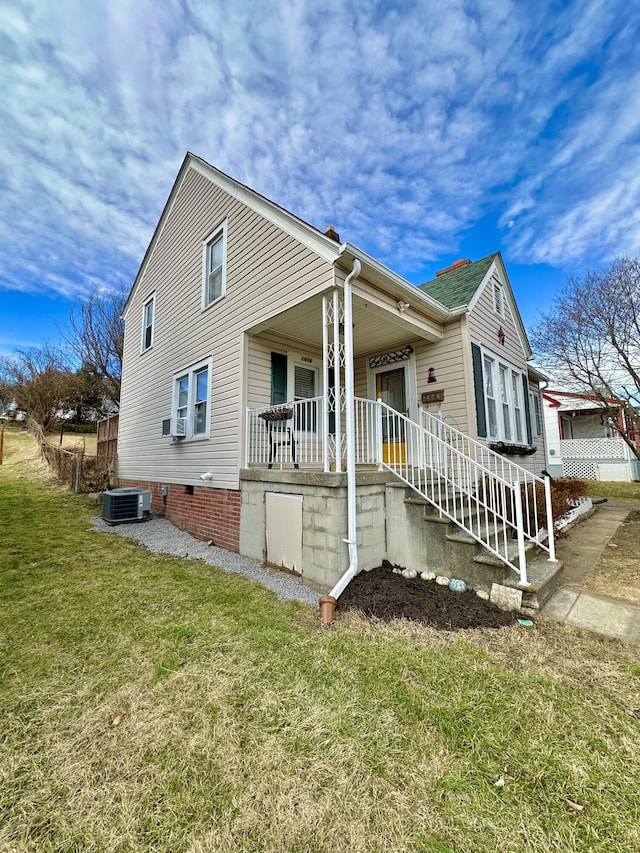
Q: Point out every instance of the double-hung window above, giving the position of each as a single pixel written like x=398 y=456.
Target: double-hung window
x=192 y=401
x=148 y=311
x=214 y=266
x=503 y=390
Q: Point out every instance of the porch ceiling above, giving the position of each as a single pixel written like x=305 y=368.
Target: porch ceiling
x=376 y=327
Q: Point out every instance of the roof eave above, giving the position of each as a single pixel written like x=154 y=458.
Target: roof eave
x=399 y=286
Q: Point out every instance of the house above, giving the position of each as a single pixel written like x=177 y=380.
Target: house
x=582 y=439
x=287 y=396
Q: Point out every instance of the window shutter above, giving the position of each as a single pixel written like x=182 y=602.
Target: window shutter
x=478 y=386
x=278 y=378
x=527 y=408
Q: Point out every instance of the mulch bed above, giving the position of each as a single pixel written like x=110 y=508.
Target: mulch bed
x=384 y=595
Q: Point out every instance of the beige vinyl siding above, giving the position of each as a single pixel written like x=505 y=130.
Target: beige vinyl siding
x=259 y=368
x=267 y=270
x=484 y=325
x=446 y=357
x=538 y=460
x=360 y=378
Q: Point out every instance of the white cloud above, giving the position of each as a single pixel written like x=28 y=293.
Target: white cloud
x=400 y=126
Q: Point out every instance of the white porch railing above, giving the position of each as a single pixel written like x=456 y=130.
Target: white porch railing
x=289 y=434
x=497 y=502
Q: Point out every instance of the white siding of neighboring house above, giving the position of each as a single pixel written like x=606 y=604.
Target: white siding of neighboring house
x=552 y=431
x=267 y=270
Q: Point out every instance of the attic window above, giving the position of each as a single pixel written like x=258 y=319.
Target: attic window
x=498 y=299
x=214 y=266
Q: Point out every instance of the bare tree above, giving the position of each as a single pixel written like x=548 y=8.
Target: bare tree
x=95 y=335
x=591 y=334
x=39 y=382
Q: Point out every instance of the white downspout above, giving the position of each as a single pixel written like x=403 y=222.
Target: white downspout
x=352 y=571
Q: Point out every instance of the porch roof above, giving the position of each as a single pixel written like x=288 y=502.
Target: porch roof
x=378 y=323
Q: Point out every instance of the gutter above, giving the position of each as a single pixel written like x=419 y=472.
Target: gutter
x=408 y=290
x=328 y=602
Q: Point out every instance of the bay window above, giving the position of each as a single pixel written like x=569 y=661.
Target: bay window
x=503 y=400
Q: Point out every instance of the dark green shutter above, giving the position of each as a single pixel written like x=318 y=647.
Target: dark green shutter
x=478 y=386
x=278 y=378
x=527 y=408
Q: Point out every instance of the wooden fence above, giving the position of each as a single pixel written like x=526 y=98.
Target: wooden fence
x=79 y=471
x=108 y=440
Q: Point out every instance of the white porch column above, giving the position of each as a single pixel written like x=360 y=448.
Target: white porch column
x=332 y=357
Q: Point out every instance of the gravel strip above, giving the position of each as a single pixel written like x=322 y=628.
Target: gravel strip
x=159 y=536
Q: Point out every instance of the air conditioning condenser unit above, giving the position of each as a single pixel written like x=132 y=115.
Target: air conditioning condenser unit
x=123 y=506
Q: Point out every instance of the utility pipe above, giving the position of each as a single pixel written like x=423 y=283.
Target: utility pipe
x=351 y=539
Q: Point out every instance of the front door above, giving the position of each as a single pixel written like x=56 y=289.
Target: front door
x=391 y=389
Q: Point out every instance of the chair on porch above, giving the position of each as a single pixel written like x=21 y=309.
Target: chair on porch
x=279 y=432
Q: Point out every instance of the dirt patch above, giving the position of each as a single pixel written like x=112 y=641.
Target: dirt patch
x=385 y=595
x=617 y=572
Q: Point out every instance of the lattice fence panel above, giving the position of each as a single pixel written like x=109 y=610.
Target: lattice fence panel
x=581 y=468
x=593 y=448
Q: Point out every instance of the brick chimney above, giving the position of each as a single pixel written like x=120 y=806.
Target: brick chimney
x=331 y=232
x=456 y=265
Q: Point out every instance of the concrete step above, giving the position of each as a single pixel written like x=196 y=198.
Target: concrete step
x=544 y=579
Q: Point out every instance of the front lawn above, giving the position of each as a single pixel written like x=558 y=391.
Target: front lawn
x=150 y=703
x=613 y=490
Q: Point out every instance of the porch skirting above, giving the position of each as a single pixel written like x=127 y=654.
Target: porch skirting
x=323 y=530
x=207 y=513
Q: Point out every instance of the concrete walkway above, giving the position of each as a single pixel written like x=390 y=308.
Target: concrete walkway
x=580 y=551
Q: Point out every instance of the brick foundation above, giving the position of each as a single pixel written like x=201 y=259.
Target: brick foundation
x=209 y=514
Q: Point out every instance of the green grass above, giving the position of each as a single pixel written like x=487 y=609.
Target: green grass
x=612 y=489
x=248 y=727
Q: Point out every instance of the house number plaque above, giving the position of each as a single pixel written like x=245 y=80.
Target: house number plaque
x=433 y=396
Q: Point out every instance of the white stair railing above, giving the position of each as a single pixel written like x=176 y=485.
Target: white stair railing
x=490 y=498
x=536 y=491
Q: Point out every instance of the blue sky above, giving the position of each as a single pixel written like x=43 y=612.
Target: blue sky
x=423 y=131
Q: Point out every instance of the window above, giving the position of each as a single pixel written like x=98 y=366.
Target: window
x=490 y=397
x=498 y=298
x=147 y=323
x=215 y=266
x=503 y=391
x=296 y=378
x=191 y=396
x=304 y=388
x=538 y=413
x=516 y=384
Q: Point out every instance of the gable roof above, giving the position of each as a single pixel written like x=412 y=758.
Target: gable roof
x=324 y=246
x=458 y=287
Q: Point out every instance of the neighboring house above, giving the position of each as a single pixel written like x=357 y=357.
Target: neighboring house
x=583 y=442
x=256 y=348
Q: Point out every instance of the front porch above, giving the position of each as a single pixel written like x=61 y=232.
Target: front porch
x=426 y=495
x=347 y=371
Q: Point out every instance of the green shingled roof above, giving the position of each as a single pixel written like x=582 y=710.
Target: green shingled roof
x=458 y=287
